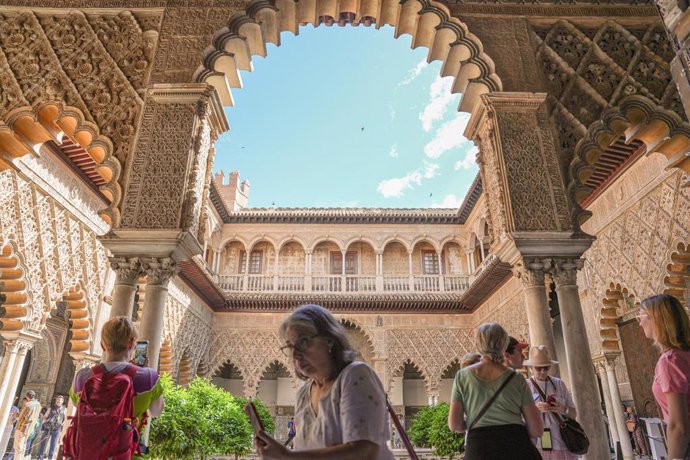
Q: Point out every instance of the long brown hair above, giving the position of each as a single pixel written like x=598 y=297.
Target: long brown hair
x=669 y=320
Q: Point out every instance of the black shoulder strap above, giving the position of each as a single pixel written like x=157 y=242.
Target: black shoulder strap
x=542 y=395
x=488 y=404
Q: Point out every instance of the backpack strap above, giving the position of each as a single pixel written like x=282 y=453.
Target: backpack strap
x=131 y=371
x=488 y=404
x=542 y=395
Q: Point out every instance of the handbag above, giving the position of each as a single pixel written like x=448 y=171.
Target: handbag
x=572 y=433
x=401 y=431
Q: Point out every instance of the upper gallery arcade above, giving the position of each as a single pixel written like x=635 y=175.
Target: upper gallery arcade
x=108 y=203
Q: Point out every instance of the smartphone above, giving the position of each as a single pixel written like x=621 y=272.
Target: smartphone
x=141 y=351
x=546 y=443
x=551 y=400
x=254 y=418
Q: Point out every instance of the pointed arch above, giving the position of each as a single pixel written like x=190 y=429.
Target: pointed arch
x=618 y=300
x=677 y=277
x=407 y=364
x=79 y=332
x=428 y=22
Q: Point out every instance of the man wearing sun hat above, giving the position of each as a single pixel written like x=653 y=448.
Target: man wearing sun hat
x=513 y=355
x=558 y=400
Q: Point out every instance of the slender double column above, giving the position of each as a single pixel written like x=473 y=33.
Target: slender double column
x=159 y=271
x=531 y=275
x=127 y=272
x=617 y=407
x=15 y=354
x=608 y=403
x=580 y=367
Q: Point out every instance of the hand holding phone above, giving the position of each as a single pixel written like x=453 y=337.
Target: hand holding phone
x=254 y=417
x=141 y=352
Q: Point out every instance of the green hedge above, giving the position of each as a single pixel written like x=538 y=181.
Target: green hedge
x=429 y=428
x=202 y=420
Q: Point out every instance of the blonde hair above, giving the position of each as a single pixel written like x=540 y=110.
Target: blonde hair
x=492 y=341
x=669 y=320
x=117 y=333
x=470 y=358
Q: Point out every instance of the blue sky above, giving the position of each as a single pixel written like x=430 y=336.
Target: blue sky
x=296 y=126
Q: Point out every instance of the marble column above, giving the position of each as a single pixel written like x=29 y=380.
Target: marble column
x=531 y=275
x=603 y=378
x=18 y=349
x=617 y=408
x=580 y=368
x=158 y=275
x=127 y=272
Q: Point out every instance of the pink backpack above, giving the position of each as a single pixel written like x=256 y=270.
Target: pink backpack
x=104 y=426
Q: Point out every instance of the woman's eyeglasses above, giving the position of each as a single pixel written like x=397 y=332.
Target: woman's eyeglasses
x=300 y=346
x=641 y=316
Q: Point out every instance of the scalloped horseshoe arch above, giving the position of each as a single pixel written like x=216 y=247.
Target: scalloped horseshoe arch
x=610 y=312
x=677 y=279
x=429 y=23
x=24 y=129
x=79 y=331
x=14 y=305
x=636 y=118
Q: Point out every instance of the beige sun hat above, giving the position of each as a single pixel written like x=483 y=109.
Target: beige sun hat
x=539 y=356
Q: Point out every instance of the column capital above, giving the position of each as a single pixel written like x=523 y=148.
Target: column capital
x=564 y=271
x=18 y=345
x=530 y=272
x=127 y=269
x=159 y=271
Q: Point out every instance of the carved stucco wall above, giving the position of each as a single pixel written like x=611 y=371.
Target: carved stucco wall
x=506 y=306
x=187 y=325
x=58 y=250
x=251 y=343
x=94 y=62
x=638 y=222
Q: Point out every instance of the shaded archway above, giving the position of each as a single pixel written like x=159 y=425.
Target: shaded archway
x=230 y=378
x=396 y=266
x=447 y=378
x=430 y=24
x=359 y=340
x=621 y=336
x=408 y=394
x=79 y=333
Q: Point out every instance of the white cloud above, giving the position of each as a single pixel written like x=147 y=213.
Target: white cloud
x=395 y=187
x=450 y=201
x=448 y=136
x=440 y=99
x=413 y=73
x=469 y=161
x=394 y=151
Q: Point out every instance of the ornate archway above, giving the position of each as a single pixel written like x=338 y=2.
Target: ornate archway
x=430 y=24
x=677 y=279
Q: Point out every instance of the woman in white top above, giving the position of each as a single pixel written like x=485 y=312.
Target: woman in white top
x=558 y=401
x=340 y=412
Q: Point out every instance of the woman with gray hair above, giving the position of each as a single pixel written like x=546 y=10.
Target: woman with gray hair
x=340 y=412
x=495 y=399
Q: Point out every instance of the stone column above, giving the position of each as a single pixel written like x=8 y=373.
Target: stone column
x=379 y=272
x=441 y=285
x=580 y=368
x=617 y=408
x=307 y=270
x=531 y=275
x=19 y=348
x=158 y=275
x=127 y=272
x=409 y=264
x=603 y=378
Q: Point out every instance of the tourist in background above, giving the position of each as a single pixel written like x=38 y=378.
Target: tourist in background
x=632 y=422
x=340 y=411
x=500 y=410
x=665 y=321
x=26 y=423
x=552 y=397
x=513 y=356
x=51 y=427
